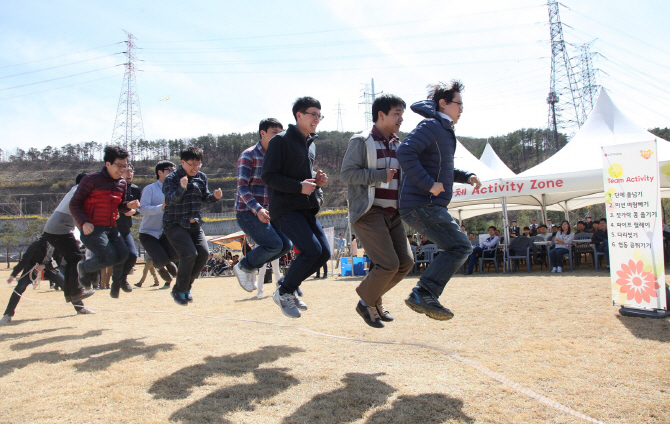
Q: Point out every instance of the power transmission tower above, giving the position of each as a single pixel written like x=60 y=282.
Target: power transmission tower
x=369 y=96
x=340 y=126
x=587 y=76
x=128 y=125
x=565 y=105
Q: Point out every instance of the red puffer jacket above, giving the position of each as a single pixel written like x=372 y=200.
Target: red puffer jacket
x=98 y=200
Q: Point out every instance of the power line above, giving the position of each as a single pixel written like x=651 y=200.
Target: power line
x=59 y=56
x=59 y=78
x=57 y=88
x=59 y=66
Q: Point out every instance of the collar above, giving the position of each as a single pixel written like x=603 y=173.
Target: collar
x=378 y=136
x=447 y=117
x=260 y=148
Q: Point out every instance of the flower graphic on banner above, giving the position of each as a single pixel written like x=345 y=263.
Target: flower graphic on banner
x=636 y=283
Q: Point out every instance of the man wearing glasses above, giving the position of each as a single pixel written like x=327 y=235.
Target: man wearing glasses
x=152 y=237
x=95 y=206
x=426 y=157
x=185 y=190
x=288 y=173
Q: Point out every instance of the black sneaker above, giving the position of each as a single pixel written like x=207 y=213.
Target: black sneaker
x=369 y=315
x=114 y=291
x=383 y=313
x=126 y=287
x=165 y=287
x=188 y=296
x=83 y=294
x=426 y=303
x=179 y=298
x=138 y=285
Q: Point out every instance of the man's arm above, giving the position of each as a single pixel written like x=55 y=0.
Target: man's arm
x=207 y=196
x=272 y=165
x=408 y=154
x=77 y=202
x=146 y=208
x=245 y=166
x=172 y=189
x=354 y=165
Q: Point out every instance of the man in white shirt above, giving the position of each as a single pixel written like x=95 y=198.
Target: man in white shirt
x=487 y=248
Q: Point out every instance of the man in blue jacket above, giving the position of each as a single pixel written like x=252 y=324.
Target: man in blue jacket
x=426 y=157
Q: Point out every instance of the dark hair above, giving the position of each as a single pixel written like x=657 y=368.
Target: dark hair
x=526 y=228
x=439 y=91
x=588 y=216
x=384 y=104
x=569 y=229
x=268 y=123
x=131 y=167
x=602 y=219
x=112 y=153
x=162 y=166
x=543 y=226
x=79 y=176
x=514 y=222
x=494 y=228
x=191 y=153
x=301 y=104
x=581 y=222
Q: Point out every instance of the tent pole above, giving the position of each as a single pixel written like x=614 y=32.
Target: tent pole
x=544 y=208
x=567 y=214
x=505 y=233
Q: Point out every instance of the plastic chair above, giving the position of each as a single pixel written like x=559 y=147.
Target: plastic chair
x=582 y=248
x=494 y=258
x=596 y=257
x=428 y=252
x=514 y=259
x=569 y=254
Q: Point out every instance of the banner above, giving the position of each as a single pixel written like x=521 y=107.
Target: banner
x=634 y=225
x=330 y=236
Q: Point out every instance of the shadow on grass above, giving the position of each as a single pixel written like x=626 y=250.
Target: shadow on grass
x=361 y=392
x=97 y=358
x=426 y=408
x=211 y=408
x=55 y=339
x=647 y=328
x=12 y=336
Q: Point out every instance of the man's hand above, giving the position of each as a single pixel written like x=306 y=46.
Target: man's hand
x=473 y=180
x=436 y=189
x=183 y=181
x=218 y=194
x=308 y=186
x=263 y=216
x=130 y=212
x=135 y=204
x=10 y=279
x=390 y=172
x=87 y=228
x=321 y=178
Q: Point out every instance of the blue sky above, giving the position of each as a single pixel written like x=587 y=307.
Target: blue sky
x=226 y=65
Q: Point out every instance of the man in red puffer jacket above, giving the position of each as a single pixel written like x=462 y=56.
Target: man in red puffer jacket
x=95 y=207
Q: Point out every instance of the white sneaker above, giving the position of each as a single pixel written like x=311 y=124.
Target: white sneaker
x=287 y=304
x=299 y=303
x=559 y=269
x=5 y=319
x=244 y=278
x=553 y=269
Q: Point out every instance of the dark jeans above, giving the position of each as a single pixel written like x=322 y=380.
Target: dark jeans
x=556 y=256
x=121 y=270
x=191 y=247
x=604 y=247
x=108 y=248
x=435 y=223
x=271 y=243
x=476 y=253
x=160 y=249
x=304 y=230
x=325 y=271
x=66 y=245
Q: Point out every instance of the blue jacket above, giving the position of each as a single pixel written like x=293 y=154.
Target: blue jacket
x=426 y=156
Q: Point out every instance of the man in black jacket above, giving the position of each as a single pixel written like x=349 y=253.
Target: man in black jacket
x=124 y=224
x=293 y=202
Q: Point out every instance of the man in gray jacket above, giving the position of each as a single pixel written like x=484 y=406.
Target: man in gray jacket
x=370 y=169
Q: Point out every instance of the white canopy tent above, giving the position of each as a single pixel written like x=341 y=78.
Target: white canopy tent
x=572 y=178
x=493 y=161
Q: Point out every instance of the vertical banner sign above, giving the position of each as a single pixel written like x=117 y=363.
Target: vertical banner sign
x=330 y=236
x=634 y=225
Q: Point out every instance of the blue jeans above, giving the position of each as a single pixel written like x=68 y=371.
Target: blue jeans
x=108 y=247
x=271 y=243
x=476 y=253
x=556 y=256
x=436 y=224
x=121 y=271
x=304 y=230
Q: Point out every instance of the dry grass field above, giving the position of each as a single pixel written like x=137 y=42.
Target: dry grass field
x=525 y=348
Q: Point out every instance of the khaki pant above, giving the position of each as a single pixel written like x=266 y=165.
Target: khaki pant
x=385 y=242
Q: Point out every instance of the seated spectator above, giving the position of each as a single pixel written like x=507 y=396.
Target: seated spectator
x=463 y=229
x=599 y=239
x=581 y=227
x=500 y=238
x=554 y=231
x=550 y=226
x=526 y=231
x=425 y=241
x=411 y=241
x=473 y=240
x=514 y=230
x=542 y=232
x=519 y=245
x=590 y=224
x=533 y=227
x=561 y=239
x=487 y=248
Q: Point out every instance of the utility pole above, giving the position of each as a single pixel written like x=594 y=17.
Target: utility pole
x=570 y=113
x=587 y=76
x=340 y=126
x=128 y=127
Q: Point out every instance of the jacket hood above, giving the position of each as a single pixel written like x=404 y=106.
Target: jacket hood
x=425 y=108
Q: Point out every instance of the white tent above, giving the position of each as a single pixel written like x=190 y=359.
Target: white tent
x=493 y=161
x=572 y=178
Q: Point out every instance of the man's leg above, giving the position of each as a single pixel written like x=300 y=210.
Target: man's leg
x=161 y=252
x=476 y=253
x=66 y=245
x=21 y=286
x=118 y=244
x=144 y=274
x=200 y=243
x=104 y=252
x=270 y=242
x=180 y=238
x=122 y=269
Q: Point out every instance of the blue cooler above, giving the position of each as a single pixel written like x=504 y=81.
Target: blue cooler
x=346 y=266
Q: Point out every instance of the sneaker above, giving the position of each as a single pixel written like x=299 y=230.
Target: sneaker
x=369 y=315
x=299 y=303
x=287 y=304
x=244 y=278
x=83 y=294
x=553 y=270
x=188 y=296
x=85 y=311
x=138 y=285
x=114 y=291
x=5 y=319
x=165 y=275
x=126 y=287
x=383 y=313
x=426 y=303
x=166 y=286
x=559 y=269
x=179 y=298
x=298 y=292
